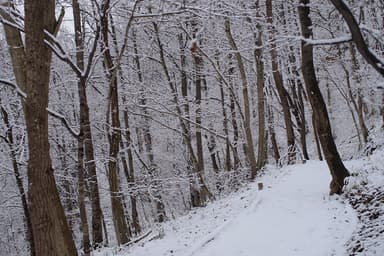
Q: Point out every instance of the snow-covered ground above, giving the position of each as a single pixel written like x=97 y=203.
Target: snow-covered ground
x=292 y=215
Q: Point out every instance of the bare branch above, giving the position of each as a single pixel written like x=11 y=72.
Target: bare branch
x=357 y=36
x=51 y=112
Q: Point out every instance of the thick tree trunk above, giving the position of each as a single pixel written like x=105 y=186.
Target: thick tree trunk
x=50 y=228
x=335 y=164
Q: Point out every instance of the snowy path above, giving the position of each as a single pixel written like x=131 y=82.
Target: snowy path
x=292 y=216
x=296 y=217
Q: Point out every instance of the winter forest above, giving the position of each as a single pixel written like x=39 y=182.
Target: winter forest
x=125 y=122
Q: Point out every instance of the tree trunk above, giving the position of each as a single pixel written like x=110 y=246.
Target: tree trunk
x=51 y=233
x=198 y=62
x=335 y=164
x=317 y=140
x=250 y=152
x=228 y=165
x=258 y=53
x=198 y=191
x=131 y=175
x=85 y=138
x=153 y=168
x=84 y=228
x=119 y=220
x=271 y=128
x=283 y=94
x=232 y=104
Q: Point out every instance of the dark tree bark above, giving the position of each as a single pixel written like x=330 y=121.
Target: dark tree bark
x=272 y=133
x=335 y=164
x=51 y=233
x=85 y=140
x=131 y=175
x=122 y=229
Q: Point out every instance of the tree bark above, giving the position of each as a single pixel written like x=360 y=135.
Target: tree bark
x=85 y=138
x=51 y=233
x=317 y=140
x=258 y=53
x=250 y=152
x=283 y=94
x=119 y=220
x=335 y=164
x=131 y=175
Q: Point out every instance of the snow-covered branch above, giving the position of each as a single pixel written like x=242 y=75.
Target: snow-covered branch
x=51 y=112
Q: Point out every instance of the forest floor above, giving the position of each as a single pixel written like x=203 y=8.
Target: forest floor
x=293 y=216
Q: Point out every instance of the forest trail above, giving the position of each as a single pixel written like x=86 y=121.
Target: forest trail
x=293 y=216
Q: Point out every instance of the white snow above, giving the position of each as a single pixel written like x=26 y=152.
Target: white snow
x=292 y=216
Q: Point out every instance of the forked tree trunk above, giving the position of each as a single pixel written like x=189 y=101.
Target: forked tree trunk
x=335 y=164
x=250 y=151
x=283 y=94
x=52 y=236
x=85 y=139
x=119 y=220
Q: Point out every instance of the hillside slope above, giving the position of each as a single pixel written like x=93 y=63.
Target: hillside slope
x=292 y=215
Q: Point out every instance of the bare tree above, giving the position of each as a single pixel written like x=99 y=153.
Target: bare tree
x=335 y=164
